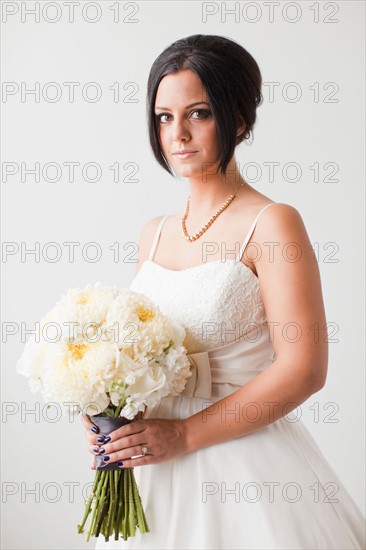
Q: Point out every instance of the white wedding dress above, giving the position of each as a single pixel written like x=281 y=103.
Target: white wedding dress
x=271 y=489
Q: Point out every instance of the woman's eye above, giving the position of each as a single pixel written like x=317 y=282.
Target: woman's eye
x=159 y=117
x=203 y=113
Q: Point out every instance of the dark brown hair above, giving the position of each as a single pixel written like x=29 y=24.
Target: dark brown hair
x=231 y=78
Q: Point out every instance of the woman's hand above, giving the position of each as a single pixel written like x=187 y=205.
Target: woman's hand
x=164 y=439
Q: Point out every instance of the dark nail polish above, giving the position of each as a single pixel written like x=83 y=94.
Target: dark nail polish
x=107 y=439
x=101 y=450
x=94 y=429
x=119 y=463
x=100 y=439
x=106 y=458
x=96 y=449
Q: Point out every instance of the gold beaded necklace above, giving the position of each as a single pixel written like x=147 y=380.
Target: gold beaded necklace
x=196 y=235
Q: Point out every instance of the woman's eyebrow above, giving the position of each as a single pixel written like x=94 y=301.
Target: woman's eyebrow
x=187 y=107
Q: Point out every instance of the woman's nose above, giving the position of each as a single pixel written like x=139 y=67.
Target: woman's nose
x=180 y=130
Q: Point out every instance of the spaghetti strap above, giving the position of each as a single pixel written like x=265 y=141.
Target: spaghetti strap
x=156 y=238
x=249 y=234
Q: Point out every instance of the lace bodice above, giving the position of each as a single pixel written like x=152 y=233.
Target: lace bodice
x=217 y=302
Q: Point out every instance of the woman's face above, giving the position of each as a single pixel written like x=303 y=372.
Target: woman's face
x=185 y=122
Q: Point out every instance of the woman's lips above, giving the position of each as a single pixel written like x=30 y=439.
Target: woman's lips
x=185 y=155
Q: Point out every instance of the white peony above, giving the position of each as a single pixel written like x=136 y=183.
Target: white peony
x=132 y=358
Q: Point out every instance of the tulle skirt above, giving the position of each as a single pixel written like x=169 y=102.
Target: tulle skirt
x=272 y=489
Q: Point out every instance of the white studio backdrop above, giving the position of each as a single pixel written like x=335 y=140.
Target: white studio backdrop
x=88 y=69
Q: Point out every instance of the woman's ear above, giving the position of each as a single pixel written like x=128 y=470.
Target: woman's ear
x=240 y=129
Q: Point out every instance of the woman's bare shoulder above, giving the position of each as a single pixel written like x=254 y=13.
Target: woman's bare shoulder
x=279 y=216
x=279 y=223
x=281 y=230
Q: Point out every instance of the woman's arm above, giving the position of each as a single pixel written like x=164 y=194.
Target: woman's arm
x=292 y=296
x=291 y=291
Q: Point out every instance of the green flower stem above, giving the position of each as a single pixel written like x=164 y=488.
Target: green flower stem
x=117 y=475
x=98 y=483
x=102 y=508
x=100 y=528
x=119 y=408
x=117 y=506
x=141 y=518
x=132 y=514
x=121 y=506
x=111 y=505
x=89 y=503
x=94 y=518
x=126 y=507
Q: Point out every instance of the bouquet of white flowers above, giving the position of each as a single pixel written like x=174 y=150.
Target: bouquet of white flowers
x=109 y=353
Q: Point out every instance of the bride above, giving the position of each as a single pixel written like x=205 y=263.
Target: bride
x=224 y=465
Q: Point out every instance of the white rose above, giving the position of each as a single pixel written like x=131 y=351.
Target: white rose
x=153 y=379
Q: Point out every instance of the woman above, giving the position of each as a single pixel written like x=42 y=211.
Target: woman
x=224 y=465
